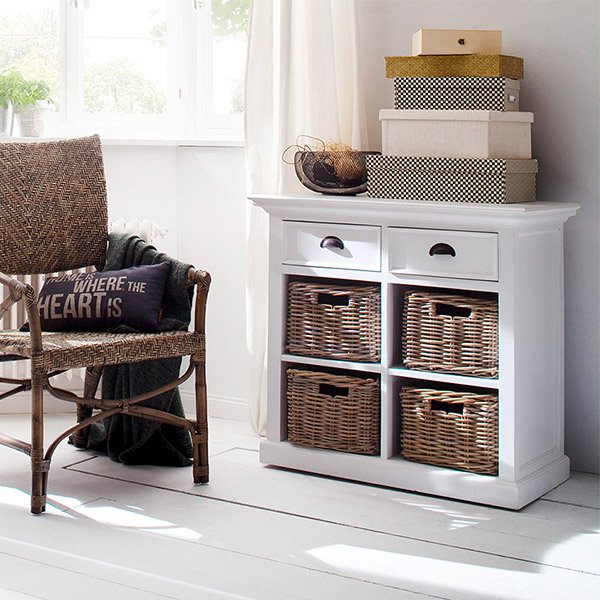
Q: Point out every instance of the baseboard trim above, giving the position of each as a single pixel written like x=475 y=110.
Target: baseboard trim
x=221 y=407
x=21 y=404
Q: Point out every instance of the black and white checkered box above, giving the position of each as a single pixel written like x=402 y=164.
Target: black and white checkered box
x=486 y=181
x=456 y=93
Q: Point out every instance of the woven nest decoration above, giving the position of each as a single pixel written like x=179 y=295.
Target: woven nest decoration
x=330 y=168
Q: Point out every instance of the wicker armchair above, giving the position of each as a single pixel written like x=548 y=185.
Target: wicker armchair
x=43 y=186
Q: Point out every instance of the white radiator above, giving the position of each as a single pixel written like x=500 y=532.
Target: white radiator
x=146 y=229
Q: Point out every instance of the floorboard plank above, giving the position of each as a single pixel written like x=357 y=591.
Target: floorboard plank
x=544 y=533
x=259 y=532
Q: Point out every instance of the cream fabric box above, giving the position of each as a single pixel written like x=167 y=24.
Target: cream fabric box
x=456 y=133
x=456 y=41
x=485 y=181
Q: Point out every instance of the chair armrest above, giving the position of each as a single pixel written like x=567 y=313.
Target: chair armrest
x=202 y=280
x=19 y=291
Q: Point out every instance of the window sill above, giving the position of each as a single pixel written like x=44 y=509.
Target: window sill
x=143 y=142
x=174 y=143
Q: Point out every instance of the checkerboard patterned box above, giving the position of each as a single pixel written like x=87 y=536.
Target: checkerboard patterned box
x=485 y=181
x=456 y=93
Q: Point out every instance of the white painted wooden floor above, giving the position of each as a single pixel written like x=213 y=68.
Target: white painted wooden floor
x=114 y=532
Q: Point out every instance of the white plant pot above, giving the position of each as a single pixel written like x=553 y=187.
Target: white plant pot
x=6 y=120
x=32 y=119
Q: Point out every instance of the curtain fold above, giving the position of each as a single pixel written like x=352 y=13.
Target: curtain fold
x=302 y=78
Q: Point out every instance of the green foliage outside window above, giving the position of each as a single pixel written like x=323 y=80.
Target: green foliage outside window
x=230 y=17
x=116 y=86
x=32 y=47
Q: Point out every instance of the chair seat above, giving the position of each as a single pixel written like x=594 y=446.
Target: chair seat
x=68 y=350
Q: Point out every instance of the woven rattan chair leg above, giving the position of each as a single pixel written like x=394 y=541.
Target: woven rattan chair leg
x=92 y=379
x=39 y=466
x=200 y=439
x=45 y=483
x=80 y=438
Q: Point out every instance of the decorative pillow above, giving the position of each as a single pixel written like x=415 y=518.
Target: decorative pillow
x=103 y=301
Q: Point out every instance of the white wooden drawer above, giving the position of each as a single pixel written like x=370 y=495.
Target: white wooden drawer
x=440 y=253
x=332 y=245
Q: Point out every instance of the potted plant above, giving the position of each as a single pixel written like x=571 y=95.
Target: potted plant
x=31 y=100
x=10 y=82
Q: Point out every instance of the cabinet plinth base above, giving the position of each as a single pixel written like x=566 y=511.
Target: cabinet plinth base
x=416 y=477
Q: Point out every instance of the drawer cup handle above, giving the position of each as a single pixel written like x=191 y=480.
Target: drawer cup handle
x=442 y=249
x=331 y=241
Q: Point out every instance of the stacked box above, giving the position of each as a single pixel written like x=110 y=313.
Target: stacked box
x=456 y=41
x=456 y=93
x=484 y=181
x=455 y=133
x=469 y=65
x=468 y=82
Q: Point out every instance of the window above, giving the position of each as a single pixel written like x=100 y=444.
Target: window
x=224 y=72
x=30 y=40
x=170 y=69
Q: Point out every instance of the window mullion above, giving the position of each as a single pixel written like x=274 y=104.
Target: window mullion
x=73 y=63
x=202 y=54
x=181 y=39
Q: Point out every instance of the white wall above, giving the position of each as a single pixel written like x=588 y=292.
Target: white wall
x=560 y=44
x=142 y=183
x=198 y=193
x=211 y=235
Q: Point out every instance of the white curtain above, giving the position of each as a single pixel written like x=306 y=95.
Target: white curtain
x=302 y=78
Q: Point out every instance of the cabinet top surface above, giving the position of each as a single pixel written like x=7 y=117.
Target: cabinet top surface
x=321 y=205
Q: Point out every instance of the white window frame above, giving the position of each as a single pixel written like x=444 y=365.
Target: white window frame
x=207 y=124
x=189 y=116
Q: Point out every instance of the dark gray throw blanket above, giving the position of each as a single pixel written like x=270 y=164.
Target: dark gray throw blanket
x=132 y=440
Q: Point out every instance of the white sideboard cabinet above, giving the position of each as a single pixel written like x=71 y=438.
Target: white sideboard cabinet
x=512 y=252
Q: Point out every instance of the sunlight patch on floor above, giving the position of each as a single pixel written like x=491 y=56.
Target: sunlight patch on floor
x=424 y=572
x=458 y=520
x=132 y=517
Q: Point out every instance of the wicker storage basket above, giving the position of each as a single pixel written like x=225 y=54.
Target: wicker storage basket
x=335 y=412
x=450 y=334
x=450 y=429
x=334 y=321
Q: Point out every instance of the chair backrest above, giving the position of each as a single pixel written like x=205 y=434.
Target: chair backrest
x=53 y=212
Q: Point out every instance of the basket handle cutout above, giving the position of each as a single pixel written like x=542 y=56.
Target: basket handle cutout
x=333 y=299
x=326 y=389
x=447 y=407
x=450 y=310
